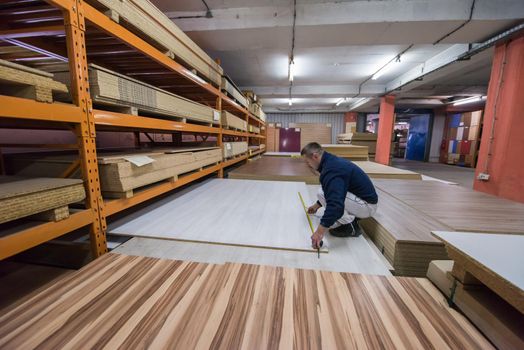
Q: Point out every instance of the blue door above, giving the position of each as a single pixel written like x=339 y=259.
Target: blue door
x=417 y=137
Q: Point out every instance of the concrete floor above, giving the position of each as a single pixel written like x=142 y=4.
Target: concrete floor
x=460 y=175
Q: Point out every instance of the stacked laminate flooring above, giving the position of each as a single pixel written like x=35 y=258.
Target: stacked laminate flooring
x=129 y=301
x=409 y=210
x=350 y=152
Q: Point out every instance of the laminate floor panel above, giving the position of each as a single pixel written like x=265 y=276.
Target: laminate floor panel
x=127 y=302
x=460 y=208
x=234 y=212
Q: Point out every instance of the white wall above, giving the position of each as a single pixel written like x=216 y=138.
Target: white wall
x=439 y=121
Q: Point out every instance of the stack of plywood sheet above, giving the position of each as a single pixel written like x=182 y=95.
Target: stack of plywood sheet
x=381 y=171
x=22 y=81
x=254 y=129
x=121 y=301
x=350 y=152
x=272 y=138
x=485 y=282
x=21 y=197
x=114 y=89
x=319 y=133
x=123 y=173
x=229 y=87
x=147 y=21
x=232 y=149
x=409 y=210
x=493 y=316
x=233 y=122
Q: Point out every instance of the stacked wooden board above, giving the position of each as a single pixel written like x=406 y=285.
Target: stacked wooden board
x=500 y=322
x=114 y=89
x=232 y=149
x=409 y=210
x=254 y=129
x=22 y=81
x=121 y=301
x=350 y=152
x=231 y=121
x=229 y=87
x=21 y=197
x=123 y=173
x=309 y=132
x=148 y=22
x=272 y=138
x=495 y=260
x=286 y=167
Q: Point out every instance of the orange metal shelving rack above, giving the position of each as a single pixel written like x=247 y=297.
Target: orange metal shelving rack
x=80 y=19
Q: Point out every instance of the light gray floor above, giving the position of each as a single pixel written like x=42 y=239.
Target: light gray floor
x=460 y=175
x=356 y=255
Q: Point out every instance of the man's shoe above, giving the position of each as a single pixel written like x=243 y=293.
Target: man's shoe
x=347 y=230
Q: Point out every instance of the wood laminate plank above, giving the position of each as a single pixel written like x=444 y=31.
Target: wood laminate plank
x=458 y=207
x=127 y=302
x=494 y=259
x=234 y=212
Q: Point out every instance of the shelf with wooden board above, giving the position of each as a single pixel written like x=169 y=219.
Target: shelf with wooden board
x=78 y=32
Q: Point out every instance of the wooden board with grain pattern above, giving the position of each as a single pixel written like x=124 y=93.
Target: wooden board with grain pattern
x=121 y=301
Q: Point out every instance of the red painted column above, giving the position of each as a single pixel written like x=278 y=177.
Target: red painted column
x=501 y=153
x=385 y=129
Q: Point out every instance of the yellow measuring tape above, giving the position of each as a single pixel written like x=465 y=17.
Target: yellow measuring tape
x=307 y=215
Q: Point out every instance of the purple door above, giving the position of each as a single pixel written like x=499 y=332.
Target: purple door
x=289 y=140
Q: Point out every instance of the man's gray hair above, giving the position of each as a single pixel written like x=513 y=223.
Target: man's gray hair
x=311 y=148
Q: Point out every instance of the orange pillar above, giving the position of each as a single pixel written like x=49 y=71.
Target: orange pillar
x=385 y=129
x=501 y=154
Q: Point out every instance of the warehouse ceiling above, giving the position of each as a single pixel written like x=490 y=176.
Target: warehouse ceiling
x=340 y=45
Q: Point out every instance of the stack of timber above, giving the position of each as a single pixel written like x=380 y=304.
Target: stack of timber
x=272 y=138
x=409 y=210
x=250 y=95
x=232 y=149
x=256 y=148
x=256 y=109
x=148 y=22
x=309 y=132
x=231 y=121
x=120 y=301
x=350 y=152
x=109 y=88
x=48 y=197
x=21 y=81
x=254 y=129
x=230 y=88
x=381 y=171
x=121 y=174
x=494 y=317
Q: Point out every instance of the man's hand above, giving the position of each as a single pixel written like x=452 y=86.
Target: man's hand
x=313 y=209
x=318 y=236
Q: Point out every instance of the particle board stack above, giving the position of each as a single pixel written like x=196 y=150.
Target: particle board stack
x=114 y=89
x=121 y=301
x=21 y=197
x=231 y=121
x=148 y=22
x=350 y=152
x=254 y=129
x=309 y=132
x=409 y=210
x=229 y=87
x=123 y=173
x=272 y=138
x=22 y=81
x=232 y=149
x=494 y=317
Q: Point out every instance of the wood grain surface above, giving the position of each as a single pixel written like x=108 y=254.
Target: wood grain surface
x=458 y=207
x=131 y=302
x=234 y=212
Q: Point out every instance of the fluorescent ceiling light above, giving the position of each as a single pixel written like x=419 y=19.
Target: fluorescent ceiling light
x=341 y=101
x=291 y=70
x=359 y=103
x=468 y=100
x=386 y=68
x=290 y=102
